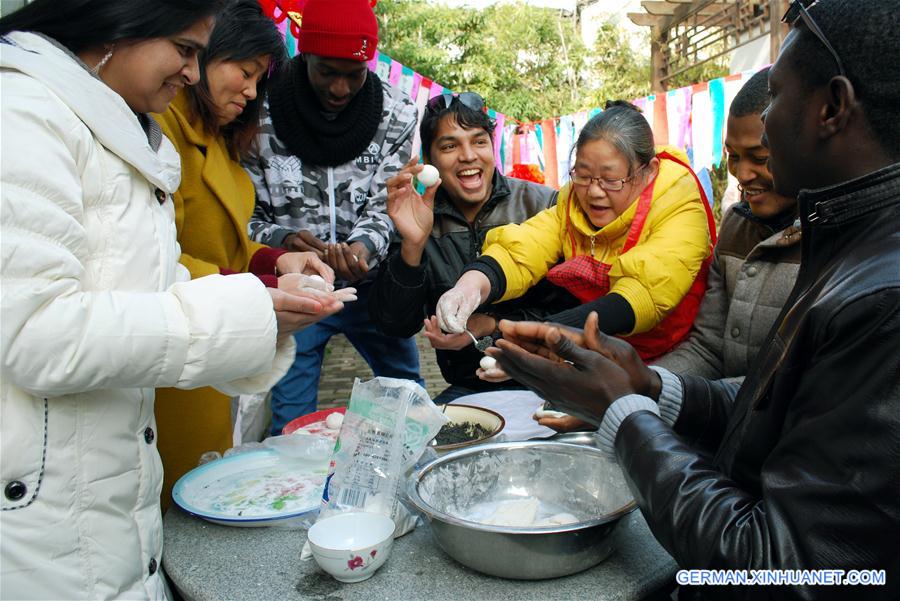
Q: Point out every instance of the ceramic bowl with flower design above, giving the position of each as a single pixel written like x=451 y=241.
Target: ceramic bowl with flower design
x=352 y=546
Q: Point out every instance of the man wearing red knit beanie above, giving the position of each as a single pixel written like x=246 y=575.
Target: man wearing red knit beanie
x=331 y=135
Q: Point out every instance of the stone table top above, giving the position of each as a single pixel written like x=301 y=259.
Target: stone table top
x=208 y=562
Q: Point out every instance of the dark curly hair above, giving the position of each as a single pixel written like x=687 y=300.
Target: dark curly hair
x=753 y=97
x=466 y=117
x=864 y=35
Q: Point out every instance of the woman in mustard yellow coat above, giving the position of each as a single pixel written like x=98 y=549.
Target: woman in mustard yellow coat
x=211 y=124
x=630 y=237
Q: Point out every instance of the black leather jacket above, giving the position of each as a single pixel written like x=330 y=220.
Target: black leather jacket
x=403 y=296
x=800 y=468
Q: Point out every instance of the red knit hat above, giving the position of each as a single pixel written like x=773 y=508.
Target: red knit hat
x=339 y=29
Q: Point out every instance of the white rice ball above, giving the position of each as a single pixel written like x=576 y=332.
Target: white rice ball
x=334 y=421
x=428 y=176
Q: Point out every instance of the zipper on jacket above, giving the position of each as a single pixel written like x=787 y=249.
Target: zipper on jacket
x=331 y=207
x=592 y=245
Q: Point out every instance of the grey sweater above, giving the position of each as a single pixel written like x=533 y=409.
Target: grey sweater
x=754 y=268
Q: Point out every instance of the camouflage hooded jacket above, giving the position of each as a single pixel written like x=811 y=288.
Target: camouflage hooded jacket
x=346 y=203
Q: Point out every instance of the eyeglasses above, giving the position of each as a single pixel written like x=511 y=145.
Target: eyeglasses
x=610 y=185
x=445 y=101
x=796 y=11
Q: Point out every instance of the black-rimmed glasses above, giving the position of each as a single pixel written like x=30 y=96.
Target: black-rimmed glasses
x=445 y=100
x=797 y=10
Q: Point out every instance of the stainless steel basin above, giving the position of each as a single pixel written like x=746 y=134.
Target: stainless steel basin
x=572 y=478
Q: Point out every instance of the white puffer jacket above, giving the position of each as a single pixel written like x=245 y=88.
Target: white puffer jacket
x=92 y=321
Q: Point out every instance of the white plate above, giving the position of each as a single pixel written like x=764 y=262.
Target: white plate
x=255 y=488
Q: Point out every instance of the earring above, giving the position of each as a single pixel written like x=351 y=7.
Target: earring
x=96 y=69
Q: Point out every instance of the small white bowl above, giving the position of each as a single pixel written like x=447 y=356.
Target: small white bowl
x=352 y=546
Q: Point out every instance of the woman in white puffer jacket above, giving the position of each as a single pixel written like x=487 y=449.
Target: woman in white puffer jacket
x=96 y=311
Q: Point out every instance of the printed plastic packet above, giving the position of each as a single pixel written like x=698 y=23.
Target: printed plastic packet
x=388 y=425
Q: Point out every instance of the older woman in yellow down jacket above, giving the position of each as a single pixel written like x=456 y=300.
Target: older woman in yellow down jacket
x=211 y=124
x=630 y=237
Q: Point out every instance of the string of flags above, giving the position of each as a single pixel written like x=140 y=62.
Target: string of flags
x=691 y=118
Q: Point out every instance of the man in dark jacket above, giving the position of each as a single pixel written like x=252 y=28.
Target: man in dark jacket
x=443 y=231
x=799 y=468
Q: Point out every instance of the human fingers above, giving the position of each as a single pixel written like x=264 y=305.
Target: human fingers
x=565 y=348
x=536 y=372
x=345 y=295
x=312 y=241
x=568 y=423
x=316 y=266
x=356 y=264
x=535 y=331
x=297 y=282
x=294 y=302
x=295 y=243
x=334 y=256
x=495 y=374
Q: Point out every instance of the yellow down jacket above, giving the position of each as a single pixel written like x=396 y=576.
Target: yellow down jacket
x=652 y=277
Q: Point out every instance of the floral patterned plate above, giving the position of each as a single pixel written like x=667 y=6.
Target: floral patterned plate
x=255 y=488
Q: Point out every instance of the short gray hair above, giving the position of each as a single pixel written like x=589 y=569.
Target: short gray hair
x=623 y=126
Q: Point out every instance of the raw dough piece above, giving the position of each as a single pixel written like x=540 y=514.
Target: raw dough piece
x=487 y=363
x=428 y=176
x=334 y=421
x=560 y=519
x=517 y=513
x=542 y=413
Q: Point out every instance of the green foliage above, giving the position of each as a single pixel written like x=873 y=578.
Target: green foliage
x=528 y=63
x=619 y=72
x=717 y=67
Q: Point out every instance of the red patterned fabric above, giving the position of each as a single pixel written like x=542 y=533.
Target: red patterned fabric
x=584 y=277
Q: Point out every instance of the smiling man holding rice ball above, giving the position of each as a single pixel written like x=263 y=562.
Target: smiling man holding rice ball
x=443 y=230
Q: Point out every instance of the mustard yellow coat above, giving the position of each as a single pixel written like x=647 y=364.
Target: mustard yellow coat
x=653 y=276
x=212 y=208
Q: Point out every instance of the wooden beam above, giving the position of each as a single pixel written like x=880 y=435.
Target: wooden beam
x=645 y=20
x=658 y=67
x=778 y=30
x=658 y=7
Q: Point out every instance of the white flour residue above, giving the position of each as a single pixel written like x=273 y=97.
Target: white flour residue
x=520 y=513
x=260 y=493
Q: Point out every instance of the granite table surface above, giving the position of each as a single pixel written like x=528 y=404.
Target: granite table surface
x=208 y=562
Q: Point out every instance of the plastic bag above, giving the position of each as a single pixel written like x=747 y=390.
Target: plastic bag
x=301 y=446
x=388 y=424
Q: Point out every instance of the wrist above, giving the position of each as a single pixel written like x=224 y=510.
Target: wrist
x=654 y=386
x=475 y=282
x=411 y=253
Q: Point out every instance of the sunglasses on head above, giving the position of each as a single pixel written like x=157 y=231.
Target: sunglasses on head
x=446 y=100
x=797 y=11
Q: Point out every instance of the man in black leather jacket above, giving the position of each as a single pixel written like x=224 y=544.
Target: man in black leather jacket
x=799 y=468
x=443 y=231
